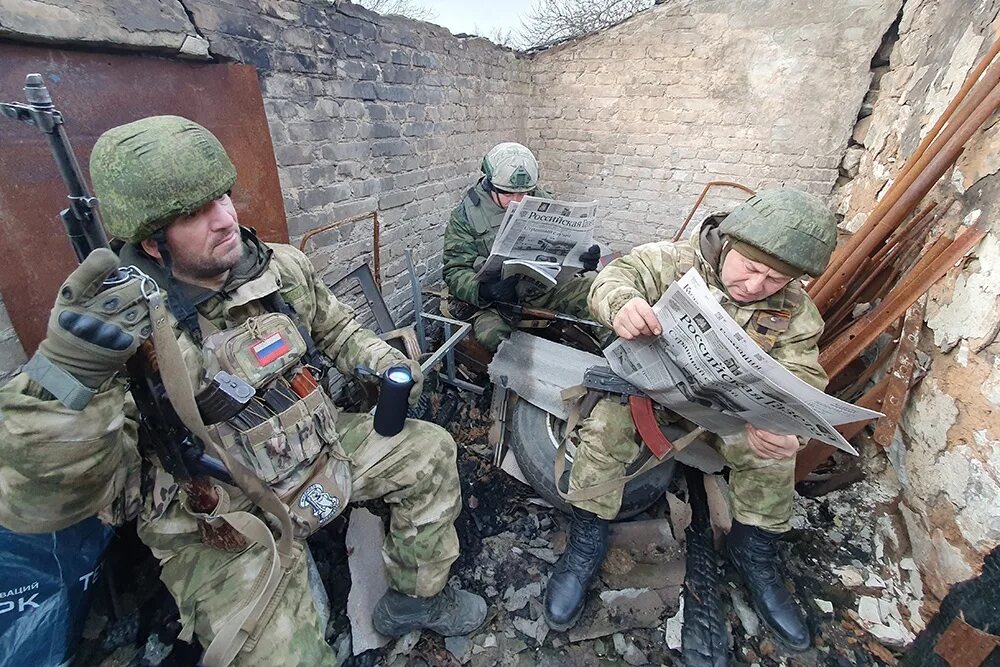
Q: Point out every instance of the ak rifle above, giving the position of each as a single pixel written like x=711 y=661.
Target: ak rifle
x=179 y=452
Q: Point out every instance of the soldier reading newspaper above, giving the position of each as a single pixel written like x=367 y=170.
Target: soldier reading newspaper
x=719 y=329
x=706 y=368
x=510 y=175
x=542 y=239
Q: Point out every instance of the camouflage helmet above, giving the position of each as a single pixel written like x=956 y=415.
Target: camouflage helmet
x=792 y=226
x=511 y=167
x=149 y=172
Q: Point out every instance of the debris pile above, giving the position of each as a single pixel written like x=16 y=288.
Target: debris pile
x=862 y=605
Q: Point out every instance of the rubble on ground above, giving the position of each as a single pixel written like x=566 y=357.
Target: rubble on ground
x=862 y=604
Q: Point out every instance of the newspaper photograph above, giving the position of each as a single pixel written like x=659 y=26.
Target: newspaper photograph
x=705 y=368
x=542 y=239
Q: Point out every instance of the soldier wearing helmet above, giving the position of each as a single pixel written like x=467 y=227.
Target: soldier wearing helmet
x=256 y=315
x=510 y=172
x=752 y=259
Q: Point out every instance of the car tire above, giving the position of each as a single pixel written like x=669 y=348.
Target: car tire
x=534 y=437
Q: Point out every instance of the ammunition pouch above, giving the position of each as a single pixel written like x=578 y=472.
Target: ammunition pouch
x=289 y=441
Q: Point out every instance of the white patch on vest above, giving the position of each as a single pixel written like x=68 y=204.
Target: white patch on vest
x=323 y=505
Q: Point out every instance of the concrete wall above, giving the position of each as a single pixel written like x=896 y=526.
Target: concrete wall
x=642 y=115
x=946 y=461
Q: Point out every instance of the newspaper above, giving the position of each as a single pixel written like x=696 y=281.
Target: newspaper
x=542 y=239
x=707 y=369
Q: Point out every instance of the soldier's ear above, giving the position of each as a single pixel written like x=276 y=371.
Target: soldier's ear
x=149 y=247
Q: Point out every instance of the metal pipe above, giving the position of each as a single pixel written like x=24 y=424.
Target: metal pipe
x=900 y=374
x=912 y=170
x=376 y=240
x=902 y=233
x=925 y=176
x=701 y=197
x=849 y=345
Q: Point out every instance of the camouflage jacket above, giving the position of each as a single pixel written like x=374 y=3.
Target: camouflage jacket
x=59 y=466
x=469 y=237
x=787 y=324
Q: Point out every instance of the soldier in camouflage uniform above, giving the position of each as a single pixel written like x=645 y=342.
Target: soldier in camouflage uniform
x=510 y=173
x=68 y=423
x=751 y=261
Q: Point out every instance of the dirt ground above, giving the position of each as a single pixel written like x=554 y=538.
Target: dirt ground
x=509 y=542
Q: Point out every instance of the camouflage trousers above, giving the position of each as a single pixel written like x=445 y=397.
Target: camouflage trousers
x=570 y=298
x=761 y=490
x=414 y=472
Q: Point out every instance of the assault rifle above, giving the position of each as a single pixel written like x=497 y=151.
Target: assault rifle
x=519 y=312
x=178 y=451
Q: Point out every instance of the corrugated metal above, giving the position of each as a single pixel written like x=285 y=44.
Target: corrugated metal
x=95 y=92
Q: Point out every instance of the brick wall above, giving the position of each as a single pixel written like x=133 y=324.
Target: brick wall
x=371 y=113
x=382 y=113
x=642 y=115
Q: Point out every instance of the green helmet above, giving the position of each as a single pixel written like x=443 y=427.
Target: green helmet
x=792 y=226
x=149 y=172
x=511 y=167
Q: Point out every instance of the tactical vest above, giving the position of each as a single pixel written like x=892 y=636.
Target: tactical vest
x=285 y=433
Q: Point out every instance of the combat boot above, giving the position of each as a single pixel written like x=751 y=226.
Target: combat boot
x=449 y=613
x=566 y=591
x=753 y=552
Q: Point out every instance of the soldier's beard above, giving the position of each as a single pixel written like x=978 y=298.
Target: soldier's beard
x=207 y=268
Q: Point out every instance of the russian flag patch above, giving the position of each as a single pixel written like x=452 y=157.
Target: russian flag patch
x=270 y=348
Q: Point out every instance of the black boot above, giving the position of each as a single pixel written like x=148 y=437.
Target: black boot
x=571 y=577
x=753 y=552
x=451 y=612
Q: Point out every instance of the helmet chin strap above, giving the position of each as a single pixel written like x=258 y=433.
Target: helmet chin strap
x=177 y=303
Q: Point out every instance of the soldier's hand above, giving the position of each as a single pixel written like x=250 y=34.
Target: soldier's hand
x=92 y=333
x=591 y=257
x=636 y=318
x=769 y=445
x=418 y=379
x=499 y=290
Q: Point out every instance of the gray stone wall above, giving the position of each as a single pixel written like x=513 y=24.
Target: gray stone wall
x=946 y=459
x=642 y=115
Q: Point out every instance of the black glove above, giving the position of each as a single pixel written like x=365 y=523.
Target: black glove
x=591 y=258
x=499 y=290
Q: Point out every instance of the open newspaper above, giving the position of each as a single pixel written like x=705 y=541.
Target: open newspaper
x=542 y=239
x=707 y=369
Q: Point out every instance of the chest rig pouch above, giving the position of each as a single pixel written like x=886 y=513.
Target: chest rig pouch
x=767 y=326
x=286 y=433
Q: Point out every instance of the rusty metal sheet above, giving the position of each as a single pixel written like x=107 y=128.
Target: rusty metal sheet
x=900 y=375
x=962 y=645
x=96 y=91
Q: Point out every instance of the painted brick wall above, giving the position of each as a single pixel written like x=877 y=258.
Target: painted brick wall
x=642 y=115
x=381 y=113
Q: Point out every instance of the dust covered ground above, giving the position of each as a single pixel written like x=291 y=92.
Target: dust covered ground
x=841 y=562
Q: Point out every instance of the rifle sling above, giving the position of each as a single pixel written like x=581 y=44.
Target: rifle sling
x=240 y=626
x=581 y=402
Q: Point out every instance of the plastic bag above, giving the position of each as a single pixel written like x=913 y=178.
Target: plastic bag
x=46 y=585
